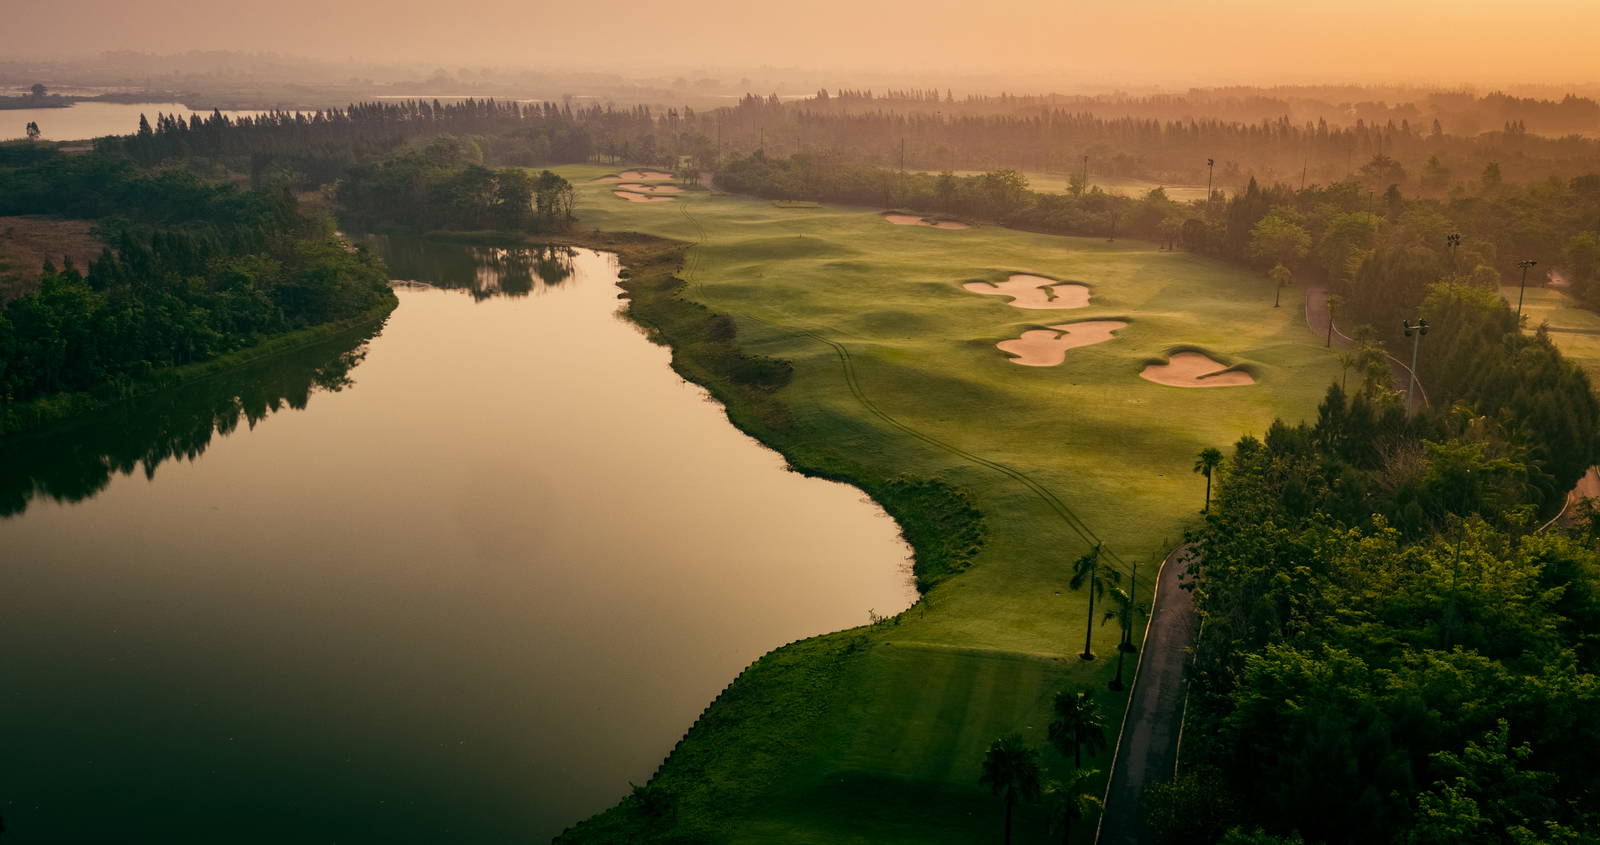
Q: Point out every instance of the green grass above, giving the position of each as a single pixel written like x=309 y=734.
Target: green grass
x=1125 y=186
x=1574 y=329
x=876 y=735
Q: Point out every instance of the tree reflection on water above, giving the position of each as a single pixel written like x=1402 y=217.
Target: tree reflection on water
x=75 y=461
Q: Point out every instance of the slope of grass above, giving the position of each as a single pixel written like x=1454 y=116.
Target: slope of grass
x=1574 y=329
x=876 y=735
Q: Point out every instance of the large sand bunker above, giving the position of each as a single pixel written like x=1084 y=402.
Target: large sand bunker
x=632 y=196
x=1048 y=347
x=1195 y=369
x=913 y=220
x=649 y=189
x=1035 y=292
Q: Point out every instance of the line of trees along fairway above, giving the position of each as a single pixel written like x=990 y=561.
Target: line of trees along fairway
x=195 y=271
x=1390 y=653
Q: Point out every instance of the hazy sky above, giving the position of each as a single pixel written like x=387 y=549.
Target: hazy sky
x=1173 y=41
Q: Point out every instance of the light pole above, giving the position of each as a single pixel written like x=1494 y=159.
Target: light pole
x=1453 y=240
x=1415 y=332
x=1521 y=289
x=1211 y=165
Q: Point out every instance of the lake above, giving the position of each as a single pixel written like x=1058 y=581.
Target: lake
x=84 y=120
x=461 y=580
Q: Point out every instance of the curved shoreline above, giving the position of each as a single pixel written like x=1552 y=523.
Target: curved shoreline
x=30 y=418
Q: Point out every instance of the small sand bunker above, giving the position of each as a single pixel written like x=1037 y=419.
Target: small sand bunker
x=913 y=220
x=1035 y=292
x=1048 y=347
x=1195 y=369
x=632 y=196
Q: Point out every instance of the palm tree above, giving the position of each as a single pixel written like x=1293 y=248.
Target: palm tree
x=1011 y=769
x=1123 y=609
x=1205 y=465
x=1335 y=304
x=1087 y=573
x=1280 y=276
x=1069 y=803
x=1077 y=726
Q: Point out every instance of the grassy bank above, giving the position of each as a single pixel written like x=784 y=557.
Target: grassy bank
x=876 y=734
x=23 y=417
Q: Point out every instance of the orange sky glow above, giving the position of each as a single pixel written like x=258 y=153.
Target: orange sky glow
x=1174 y=42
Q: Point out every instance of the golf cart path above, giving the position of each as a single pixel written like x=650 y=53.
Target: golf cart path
x=1152 y=725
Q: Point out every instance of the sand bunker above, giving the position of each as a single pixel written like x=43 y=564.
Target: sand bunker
x=1195 y=369
x=914 y=220
x=631 y=196
x=650 y=189
x=1048 y=347
x=1035 y=292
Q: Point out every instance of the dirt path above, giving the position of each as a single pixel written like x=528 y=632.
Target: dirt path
x=1147 y=747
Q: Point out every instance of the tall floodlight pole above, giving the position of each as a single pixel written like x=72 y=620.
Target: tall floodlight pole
x=1521 y=290
x=1453 y=240
x=1211 y=164
x=1415 y=332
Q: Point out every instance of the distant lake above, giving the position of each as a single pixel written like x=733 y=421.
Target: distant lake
x=458 y=581
x=81 y=120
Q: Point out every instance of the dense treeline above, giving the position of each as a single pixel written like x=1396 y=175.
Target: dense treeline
x=439 y=187
x=915 y=129
x=195 y=271
x=1390 y=653
x=316 y=148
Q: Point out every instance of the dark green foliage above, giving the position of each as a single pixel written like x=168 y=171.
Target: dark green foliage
x=940 y=522
x=196 y=271
x=439 y=187
x=1388 y=655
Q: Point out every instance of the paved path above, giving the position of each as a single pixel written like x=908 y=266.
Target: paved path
x=1147 y=748
x=1317 y=322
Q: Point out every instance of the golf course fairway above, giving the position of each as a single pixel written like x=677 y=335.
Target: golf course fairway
x=877 y=734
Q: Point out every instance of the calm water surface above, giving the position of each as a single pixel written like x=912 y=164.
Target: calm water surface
x=459 y=582
x=91 y=120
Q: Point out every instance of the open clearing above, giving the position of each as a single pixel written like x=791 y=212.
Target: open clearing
x=1048 y=347
x=1195 y=369
x=884 y=744
x=27 y=242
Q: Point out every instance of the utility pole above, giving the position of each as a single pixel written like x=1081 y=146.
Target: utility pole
x=902 y=153
x=1521 y=290
x=1304 y=166
x=763 y=146
x=1086 y=174
x=1415 y=332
